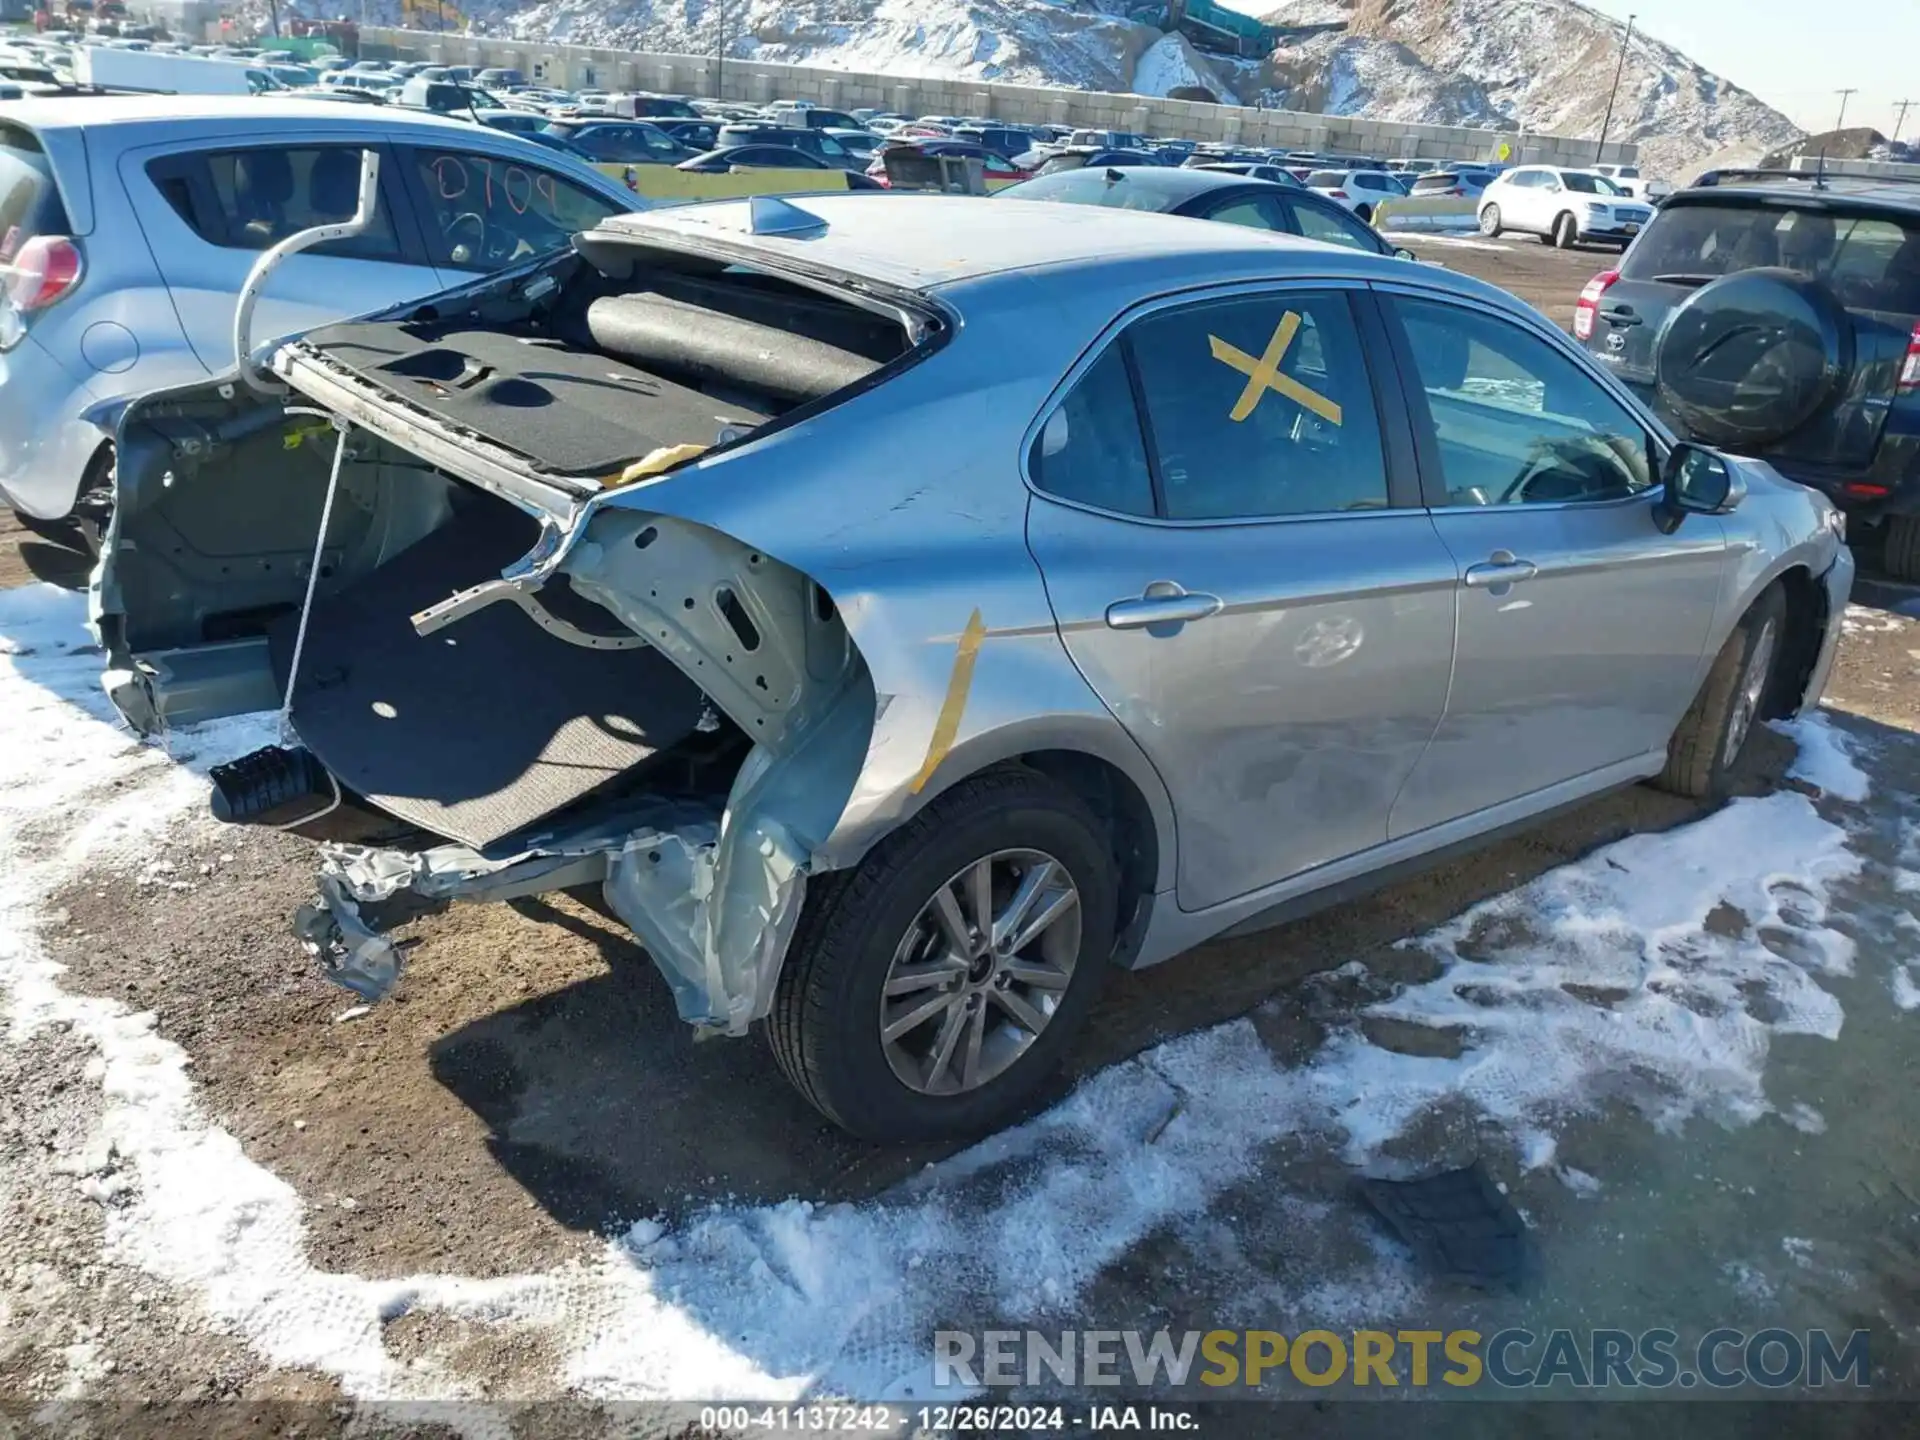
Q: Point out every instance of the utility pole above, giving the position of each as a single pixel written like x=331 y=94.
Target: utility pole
x=1844 y=95
x=720 y=53
x=1600 y=151
x=1901 y=123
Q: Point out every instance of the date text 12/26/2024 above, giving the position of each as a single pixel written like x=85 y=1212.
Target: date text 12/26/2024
x=962 y=1419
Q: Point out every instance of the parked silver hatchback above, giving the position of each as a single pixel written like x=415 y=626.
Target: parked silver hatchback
x=128 y=224
x=906 y=610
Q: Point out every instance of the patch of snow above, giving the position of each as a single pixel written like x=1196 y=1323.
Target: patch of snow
x=1906 y=993
x=1536 y=1149
x=1826 y=757
x=1798 y=1250
x=1457 y=242
x=1867 y=620
x=1804 y=1118
x=1748 y=1283
x=1578 y=1181
x=1171 y=62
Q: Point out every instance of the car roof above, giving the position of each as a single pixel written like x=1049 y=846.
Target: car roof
x=169 y=112
x=1901 y=195
x=923 y=242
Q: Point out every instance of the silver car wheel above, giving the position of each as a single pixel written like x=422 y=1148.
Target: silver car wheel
x=980 y=972
x=1753 y=684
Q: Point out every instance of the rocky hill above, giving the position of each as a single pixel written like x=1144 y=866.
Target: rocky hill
x=1544 y=65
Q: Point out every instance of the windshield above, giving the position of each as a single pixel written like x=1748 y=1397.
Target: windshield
x=1871 y=262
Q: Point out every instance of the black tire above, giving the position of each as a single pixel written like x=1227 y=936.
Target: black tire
x=1700 y=757
x=1565 y=233
x=1490 y=222
x=1364 y=214
x=64 y=531
x=824 y=1027
x=1901 y=557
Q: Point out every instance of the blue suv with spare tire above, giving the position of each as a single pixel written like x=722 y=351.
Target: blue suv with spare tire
x=1776 y=313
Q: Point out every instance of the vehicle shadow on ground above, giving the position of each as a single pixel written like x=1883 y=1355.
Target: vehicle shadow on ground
x=601 y=1105
x=67 y=567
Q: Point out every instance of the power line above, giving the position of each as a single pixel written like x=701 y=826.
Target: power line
x=1844 y=95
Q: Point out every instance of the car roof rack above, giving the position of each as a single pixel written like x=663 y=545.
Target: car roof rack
x=1820 y=179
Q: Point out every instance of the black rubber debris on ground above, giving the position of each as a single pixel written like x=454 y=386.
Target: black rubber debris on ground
x=1458 y=1224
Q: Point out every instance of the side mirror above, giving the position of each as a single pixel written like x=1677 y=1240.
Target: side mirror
x=1697 y=481
x=1403 y=253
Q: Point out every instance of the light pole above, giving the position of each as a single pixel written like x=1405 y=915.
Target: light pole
x=720 y=53
x=1600 y=152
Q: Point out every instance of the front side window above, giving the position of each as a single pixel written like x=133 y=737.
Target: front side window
x=482 y=212
x=1516 y=421
x=1335 y=228
x=1260 y=406
x=1253 y=213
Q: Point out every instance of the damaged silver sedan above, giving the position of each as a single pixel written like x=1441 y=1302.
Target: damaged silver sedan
x=904 y=609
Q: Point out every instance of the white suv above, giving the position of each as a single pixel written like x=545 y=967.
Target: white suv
x=1361 y=191
x=1562 y=207
x=1629 y=179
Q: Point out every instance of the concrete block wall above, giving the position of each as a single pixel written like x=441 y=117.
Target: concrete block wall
x=757 y=82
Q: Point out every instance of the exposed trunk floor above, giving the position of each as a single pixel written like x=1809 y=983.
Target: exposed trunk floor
x=490 y=724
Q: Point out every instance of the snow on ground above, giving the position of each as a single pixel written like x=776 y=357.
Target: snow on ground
x=1605 y=976
x=1826 y=757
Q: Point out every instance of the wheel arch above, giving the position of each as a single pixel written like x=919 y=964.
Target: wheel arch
x=1807 y=618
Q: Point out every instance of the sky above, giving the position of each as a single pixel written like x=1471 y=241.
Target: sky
x=1794 y=61
x=1779 y=51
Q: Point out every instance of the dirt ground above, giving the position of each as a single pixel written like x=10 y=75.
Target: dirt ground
x=529 y=1090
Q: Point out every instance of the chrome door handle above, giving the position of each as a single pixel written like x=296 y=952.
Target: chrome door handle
x=1164 y=603
x=1500 y=572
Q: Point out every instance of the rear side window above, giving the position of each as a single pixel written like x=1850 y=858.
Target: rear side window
x=1327 y=179
x=1426 y=184
x=29 y=200
x=254 y=198
x=1091 y=450
x=1872 y=263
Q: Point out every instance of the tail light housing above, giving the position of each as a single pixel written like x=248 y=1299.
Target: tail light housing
x=1337 y=194
x=1910 y=368
x=1588 y=306
x=40 y=272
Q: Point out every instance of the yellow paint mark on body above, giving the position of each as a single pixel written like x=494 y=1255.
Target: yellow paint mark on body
x=655 y=462
x=946 y=726
x=1264 y=374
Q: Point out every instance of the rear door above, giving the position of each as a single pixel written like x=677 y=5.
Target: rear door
x=1239 y=565
x=210 y=210
x=1871 y=263
x=1581 y=627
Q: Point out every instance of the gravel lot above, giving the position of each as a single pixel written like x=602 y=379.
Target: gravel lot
x=522 y=1178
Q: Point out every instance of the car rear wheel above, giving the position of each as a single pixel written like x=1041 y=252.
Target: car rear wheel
x=1490 y=222
x=1901 y=556
x=1564 y=232
x=1364 y=213
x=1713 y=734
x=930 y=992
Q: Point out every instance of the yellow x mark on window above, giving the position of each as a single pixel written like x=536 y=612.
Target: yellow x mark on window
x=1264 y=374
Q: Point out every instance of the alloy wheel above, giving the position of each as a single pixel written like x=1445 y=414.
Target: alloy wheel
x=1753 y=684
x=980 y=972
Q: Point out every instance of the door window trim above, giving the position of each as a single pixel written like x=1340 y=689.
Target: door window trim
x=1397 y=442
x=1419 y=417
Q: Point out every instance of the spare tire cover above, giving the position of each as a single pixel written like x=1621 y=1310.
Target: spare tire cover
x=1750 y=358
